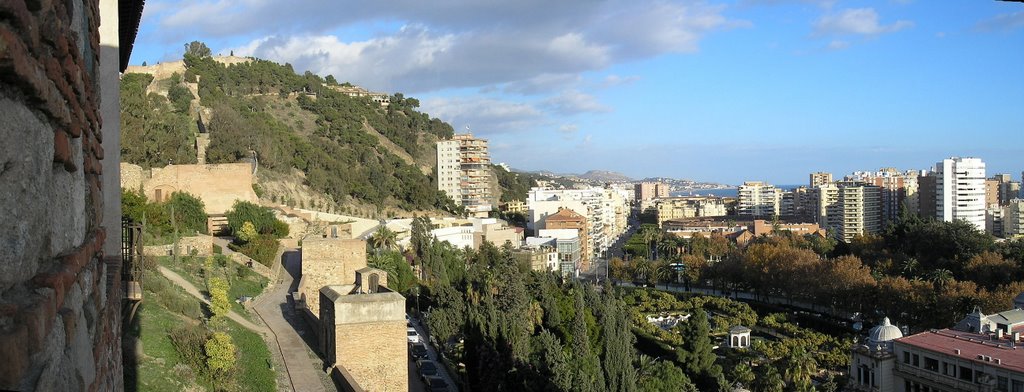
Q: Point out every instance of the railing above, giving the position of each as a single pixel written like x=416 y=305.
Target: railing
x=132 y=263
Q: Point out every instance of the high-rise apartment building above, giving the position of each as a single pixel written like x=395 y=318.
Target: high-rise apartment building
x=926 y=188
x=960 y=190
x=847 y=209
x=758 y=199
x=689 y=207
x=463 y=173
x=991 y=192
x=1013 y=219
x=820 y=178
x=898 y=190
x=1007 y=188
x=651 y=190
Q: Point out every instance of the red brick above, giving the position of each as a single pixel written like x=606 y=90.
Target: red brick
x=70 y=318
x=38 y=318
x=15 y=354
x=61 y=147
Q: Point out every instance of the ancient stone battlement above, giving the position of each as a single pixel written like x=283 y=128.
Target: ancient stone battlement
x=218 y=185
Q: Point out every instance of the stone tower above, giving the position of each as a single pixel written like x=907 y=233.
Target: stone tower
x=328 y=261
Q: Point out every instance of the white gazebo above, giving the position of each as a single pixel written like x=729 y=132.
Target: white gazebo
x=739 y=337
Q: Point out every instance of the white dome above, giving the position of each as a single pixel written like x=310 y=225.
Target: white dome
x=885 y=332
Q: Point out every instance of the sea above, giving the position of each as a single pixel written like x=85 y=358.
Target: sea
x=723 y=192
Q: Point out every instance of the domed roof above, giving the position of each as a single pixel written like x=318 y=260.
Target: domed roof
x=884 y=332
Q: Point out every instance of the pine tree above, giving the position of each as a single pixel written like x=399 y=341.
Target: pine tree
x=618 y=345
x=587 y=366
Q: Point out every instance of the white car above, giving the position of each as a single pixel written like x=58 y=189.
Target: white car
x=412 y=335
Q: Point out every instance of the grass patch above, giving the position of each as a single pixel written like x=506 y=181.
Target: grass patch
x=243 y=281
x=255 y=369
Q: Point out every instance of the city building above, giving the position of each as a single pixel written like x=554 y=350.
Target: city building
x=1007 y=188
x=980 y=353
x=463 y=173
x=848 y=209
x=568 y=219
x=651 y=190
x=538 y=257
x=513 y=206
x=898 y=190
x=960 y=191
x=758 y=199
x=797 y=204
x=566 y=243
x=1013 y=219
x=994 y=217
x=819 y=179
x=730 y=228
x=688 y=207
x=991 y=192
x=605 y=209
x=927 y=186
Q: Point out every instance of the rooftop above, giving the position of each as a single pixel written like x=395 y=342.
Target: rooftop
x=973 y=347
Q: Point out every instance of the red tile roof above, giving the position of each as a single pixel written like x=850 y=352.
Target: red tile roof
x=971 y=345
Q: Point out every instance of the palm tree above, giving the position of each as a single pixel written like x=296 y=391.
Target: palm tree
x=641 y=268
x=910 y=267
x=384 y=238
x=650 y=234
x=799 y=367
x=664 y=273
x=941 y=277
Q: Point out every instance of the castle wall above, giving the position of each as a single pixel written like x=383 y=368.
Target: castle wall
x=329 y=261
x=60 y=297
x=368 y=339
x=219 y=186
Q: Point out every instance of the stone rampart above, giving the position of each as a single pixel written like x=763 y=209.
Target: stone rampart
x=329 y=261
x=219 y=185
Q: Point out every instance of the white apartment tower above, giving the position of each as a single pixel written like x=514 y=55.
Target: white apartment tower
x=960 y=190
x=759 y=199
x=463 y=172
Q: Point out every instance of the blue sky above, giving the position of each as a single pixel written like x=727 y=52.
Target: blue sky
x=714 y=91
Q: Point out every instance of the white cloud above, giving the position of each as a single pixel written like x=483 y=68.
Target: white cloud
x=1002 y=22
x=838 y=44
x=616 y=80
x=568 y=128
x=860 y=21
x=484 y=115
x=571 y=102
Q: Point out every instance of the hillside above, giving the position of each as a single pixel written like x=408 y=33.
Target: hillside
x=322 y=144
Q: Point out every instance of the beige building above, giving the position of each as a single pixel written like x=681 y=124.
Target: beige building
x=463 y=173
x=650 y=190
x=538 y=258
x=848 y=209
x=758 y=199
x=568 y=219
x=991 y=192
x=218 y=185
x=326 y=261
x=897 y=189
x=688 y=207
x=819 y=179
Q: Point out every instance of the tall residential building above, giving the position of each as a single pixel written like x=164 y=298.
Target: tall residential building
x=797 y=204
x=605 y=209
x=898 y=189
x=820 y=178
x=758 y=199
x=1013 y=219
x=463 y=173
x=1008 y=189
x=991 y=192
x=960 y=190
x=650 y=190
x=847 y=209
x=927 y=185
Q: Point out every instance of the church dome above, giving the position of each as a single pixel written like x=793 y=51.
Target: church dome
x=885 y=332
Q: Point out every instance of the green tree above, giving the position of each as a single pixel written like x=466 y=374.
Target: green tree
x=384 y=238
x=198 y=49
x=743 y=374
x=180 y=98
x=550 y=358
x=219 y=303
x=586 y=365
x=247 y=233
x=769 y=380
x=663 y=376
x=618 y=339
x=220 y=352
x=800 y=366
x=189 y=212
x=696 y=351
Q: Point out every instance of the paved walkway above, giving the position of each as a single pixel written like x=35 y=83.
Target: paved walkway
x=275 y=310
x=193 y=291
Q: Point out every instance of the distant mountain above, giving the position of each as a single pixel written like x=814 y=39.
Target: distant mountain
x=605 y=176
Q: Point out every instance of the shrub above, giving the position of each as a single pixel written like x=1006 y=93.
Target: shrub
x=263 y=249
x=189 y=340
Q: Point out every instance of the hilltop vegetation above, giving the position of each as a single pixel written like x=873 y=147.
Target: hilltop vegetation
x=338 y=154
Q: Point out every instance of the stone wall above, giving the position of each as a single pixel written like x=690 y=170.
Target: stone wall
x=329 y=261
x=369 y=338
x=60 y=293
x=202 y=244
x=218 y=186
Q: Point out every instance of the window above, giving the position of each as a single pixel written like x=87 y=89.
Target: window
x=931 y=364
x=1018 y=386
x=915 y=360
x=966 y=373
x=906 y=357
x=1001 y=384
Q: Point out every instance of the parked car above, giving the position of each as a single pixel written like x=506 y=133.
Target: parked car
x=427 y=367
x=412 y=335
x=418 y=350
x=436 y=384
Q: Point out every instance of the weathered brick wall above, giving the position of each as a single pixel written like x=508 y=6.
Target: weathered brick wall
x=131 y=177
x=328 y=261
x=375 y=354
x=59 y=299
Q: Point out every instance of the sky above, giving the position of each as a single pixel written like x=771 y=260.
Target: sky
x=720 y=91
